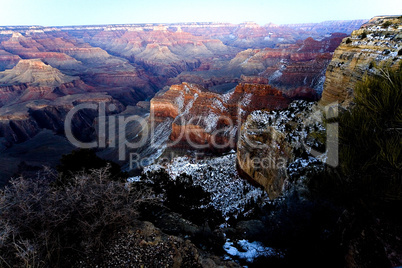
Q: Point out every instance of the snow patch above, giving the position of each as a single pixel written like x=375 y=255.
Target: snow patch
x=250 y=250
x=275 y=75
x=218 y=176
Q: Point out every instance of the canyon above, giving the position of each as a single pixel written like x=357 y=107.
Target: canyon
x=233 y=122
x=46 y=71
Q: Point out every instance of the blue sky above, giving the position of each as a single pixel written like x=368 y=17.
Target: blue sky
x=87 y=12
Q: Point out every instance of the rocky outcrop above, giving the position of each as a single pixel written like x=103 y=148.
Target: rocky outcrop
x=251 y=35
x=263 y=154
x=376 y=43
x=209 y=121
x=160 y=51
x=270 y=144
x=22 y=121
x=148 y=246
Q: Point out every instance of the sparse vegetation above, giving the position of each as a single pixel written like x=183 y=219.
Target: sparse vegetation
x=364 y=35
x=348 y=41
x=386 y=24
x=44 y=226
x=371 y=148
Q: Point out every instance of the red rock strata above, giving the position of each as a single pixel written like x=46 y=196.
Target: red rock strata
x=204 y=119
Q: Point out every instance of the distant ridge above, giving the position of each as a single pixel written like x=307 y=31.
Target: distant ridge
x=35 y=72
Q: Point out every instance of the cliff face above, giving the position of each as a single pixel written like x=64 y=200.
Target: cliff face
x=377 y=42
x=45 y=71
x=251 y=35
x=262 y=154
x=289 y=67
x=269 y=144
x=277 y=136
x=72 y=56
x=209 y=121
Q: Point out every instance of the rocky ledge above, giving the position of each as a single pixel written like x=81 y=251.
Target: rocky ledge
x=377 y=42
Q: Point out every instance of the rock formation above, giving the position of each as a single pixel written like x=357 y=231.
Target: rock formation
x=36 y=73
x=270 y=141
x=376 y=43
x=45 y=71
x=262 y=155
x=209 y=121
x=289 y=67
x=33 y=79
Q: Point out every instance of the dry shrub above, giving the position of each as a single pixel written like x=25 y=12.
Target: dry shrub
x=43 y=225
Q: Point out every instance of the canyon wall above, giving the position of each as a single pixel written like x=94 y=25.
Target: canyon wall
x=376 y=44
x=210 y=121
x=269 y=139
x=46 y=71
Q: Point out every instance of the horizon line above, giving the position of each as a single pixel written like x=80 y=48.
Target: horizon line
x=177 y=23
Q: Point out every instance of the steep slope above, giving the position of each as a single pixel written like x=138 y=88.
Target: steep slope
x=208 y=121
x=377 y=42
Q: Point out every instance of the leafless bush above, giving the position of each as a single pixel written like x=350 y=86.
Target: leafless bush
x=42 y=225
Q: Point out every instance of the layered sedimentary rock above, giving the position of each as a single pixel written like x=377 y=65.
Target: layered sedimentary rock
x=162 y=51
x=22 y=121
x=34 y=96
x=267 y=140
x=65 y=52
x=251 y=35
x=125 y=64
x=376 y=43
x=36 y=73
x=210 y=121
x=35 y=80
x=297 y=67
x=7 y=60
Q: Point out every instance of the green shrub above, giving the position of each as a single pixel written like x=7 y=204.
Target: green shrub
x=400 y=52
x=348 y=41
x=370 y=137
x=364 y=35
x=386 y=24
